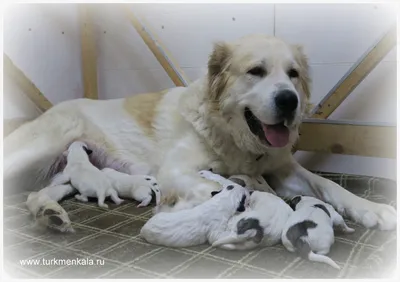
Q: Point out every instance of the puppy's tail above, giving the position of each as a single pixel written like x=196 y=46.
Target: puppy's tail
x=304 y=250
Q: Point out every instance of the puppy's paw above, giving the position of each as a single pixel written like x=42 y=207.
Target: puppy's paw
x=145 y=202
x=104 y=206
x=53 y=216
x=145 y=189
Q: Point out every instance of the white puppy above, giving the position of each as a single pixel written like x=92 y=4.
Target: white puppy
x=309 y=230
x=206 y=222
x=85 y=177
x=138 y=187
x=266 y=216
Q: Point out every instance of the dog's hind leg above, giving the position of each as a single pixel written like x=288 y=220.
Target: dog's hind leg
x=34 y=145
x=114 y=197
x=45 y=209
x=81 y=198
x=100 y=200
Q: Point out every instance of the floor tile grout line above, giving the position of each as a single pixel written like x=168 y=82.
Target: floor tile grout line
x=358 y=252
x=229 y=271
x=349 y=258
x=184 y=265
x=290 y=265
x=128 y=264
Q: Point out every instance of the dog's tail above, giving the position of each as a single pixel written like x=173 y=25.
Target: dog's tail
x=304 y=250
x=296 y=235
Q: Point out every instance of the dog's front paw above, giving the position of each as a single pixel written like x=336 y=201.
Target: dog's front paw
x=382 y=216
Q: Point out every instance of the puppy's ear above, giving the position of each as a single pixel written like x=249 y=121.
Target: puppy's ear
x=241 y=207
x=251 y=192
x=210 y=169
x=218 y=64
x=238 y=181
x=294 y=201
x=213 y=193
x=88 y=151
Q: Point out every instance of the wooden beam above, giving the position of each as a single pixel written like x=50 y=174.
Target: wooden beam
x=88 y=52
x=356 y=74
x=159 y=51
x=25 y=84
x=349 y=139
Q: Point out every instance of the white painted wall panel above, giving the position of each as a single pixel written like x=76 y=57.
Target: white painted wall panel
x=333 y=33
x=34 y=40
x=189 y=30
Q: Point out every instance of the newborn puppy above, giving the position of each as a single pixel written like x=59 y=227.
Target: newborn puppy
x=309 y=230
x=138 y=187
x=205 y=222
x=85 y=177
x=266 y=217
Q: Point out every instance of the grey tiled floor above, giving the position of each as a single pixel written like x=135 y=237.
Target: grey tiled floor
x=110 y=239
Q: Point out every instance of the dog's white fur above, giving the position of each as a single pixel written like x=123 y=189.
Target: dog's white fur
x=137 y=187
x=45 y=209
x=270 y=211
x=86 y=178
x=206 y=222
x=184 y=130
x=317 y=240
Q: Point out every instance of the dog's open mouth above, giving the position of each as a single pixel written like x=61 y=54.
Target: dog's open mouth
x=276 y=135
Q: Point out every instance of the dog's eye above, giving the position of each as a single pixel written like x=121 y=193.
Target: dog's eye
x=257 y=71
x=292 y=73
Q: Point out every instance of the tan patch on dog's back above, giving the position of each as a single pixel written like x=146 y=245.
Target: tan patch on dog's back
x=143 y=108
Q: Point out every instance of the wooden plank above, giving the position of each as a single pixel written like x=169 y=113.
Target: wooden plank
x=27 y=86
x=356 y=74
x=349 y=139
x=88 y=51
x=162 y=55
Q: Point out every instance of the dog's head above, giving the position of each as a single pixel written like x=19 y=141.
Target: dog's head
x=237 y=194
x=260 y=85
x=78 y=145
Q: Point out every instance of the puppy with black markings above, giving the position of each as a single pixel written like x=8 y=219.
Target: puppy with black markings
x=206 y=222
x=141 y=188
x=85 y=177
x=260 y=225
x=309 y=230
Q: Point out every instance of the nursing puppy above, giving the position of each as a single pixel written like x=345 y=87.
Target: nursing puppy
x=309 y=230
x=203 y=223
x=86 y=178
x=138 y=187
x=266 y=217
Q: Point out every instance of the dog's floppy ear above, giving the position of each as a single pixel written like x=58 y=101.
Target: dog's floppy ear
x=238 y=181
x=304 y=76
x=251 y=192
x=88 y=151
x=294 y=201
x=218 y=63
x=241 y=207
x=213 y=193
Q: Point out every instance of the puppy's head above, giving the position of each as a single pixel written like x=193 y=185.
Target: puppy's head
x=78 y=145
x=260 y=85
x=236 y=194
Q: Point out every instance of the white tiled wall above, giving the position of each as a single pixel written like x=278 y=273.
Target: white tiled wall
x=43 y=40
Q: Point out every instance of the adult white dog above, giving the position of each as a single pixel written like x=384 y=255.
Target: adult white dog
x=241 y=118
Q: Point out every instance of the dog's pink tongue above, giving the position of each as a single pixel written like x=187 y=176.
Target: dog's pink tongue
x=277 y=135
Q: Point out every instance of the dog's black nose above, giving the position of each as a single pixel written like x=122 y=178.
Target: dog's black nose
x=286 y=101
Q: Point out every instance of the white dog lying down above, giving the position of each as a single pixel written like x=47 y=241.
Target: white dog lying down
x=85 y=177
x=309 y=229
x=45 y=208
x=266 y=216
x=138 y=187
x=203 y=223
